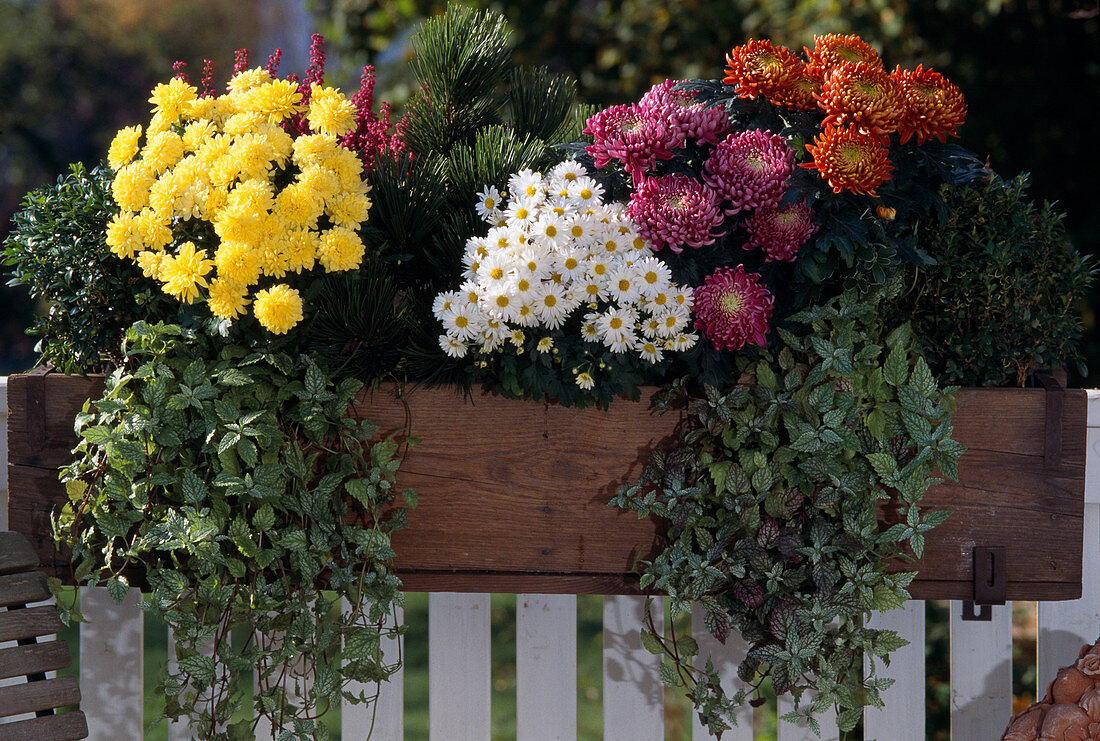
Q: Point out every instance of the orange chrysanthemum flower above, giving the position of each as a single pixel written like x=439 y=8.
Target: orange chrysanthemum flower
x=862 y=95
x=934 y=107
x=760 y=68
x=833 y=49
x=800 y=93
x=850 y=160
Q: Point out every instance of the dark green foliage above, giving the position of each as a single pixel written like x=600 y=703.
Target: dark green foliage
x=540 y=103
x=57 y=249
x=228 y=479
x=770 y=498
x=1003 y=298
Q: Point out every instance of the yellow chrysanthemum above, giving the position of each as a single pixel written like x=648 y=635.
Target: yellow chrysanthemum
x=238 y=263
x=340 y=249
x=123 y=235
x=184 y=272
x=330 y=112
x=321 y=181
x=163 y=193
x=163 y=150
x=242 y=122
x=246 y=80
x=274 y=101
x=314 y=149
x=299 y=206
x=254 y=155
x=202 y=108
x=150 y=262
x=123 y=147
x=348 y=209
x=155 y=228
x=281 y=142
x=130 y=188
x=273 y=259
x=198 y=133
x=278 y=308
x=170 y=99
x=348 y=168
x=227 y=299
x=235 y=223
x=213 y=199
x=300 y=248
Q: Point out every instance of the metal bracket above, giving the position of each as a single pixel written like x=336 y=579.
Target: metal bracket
x=990 y=575
x=1052 y=448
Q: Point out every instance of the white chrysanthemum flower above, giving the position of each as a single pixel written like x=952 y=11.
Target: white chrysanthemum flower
x=525 y=285
x=536 y=262
x=522 y=212
x=493 y=332
x=585 y=381
x=527 y=316
x=570 y=264
x=545 y=345
x=616 y=329
x=501 y=302
x=461 y=323
x=651 y=327
x=471 y=261
x=586 y=192
x=624 y=284
x=446 y=301
x=494 y=271
x=597 y=268
x=655 y=277
x=549 y=230
x=551 y=305
x=569 y=170
x=589 y=331
x=685 y=341
x=488 y=204
x=672 y=323
x=516 y=337
x=581 y=230
x=502 y=238
x=518 y=182
x=650 y=351
x=471 y=291
x=683 y=297
x=591 y=289
x=452 y=347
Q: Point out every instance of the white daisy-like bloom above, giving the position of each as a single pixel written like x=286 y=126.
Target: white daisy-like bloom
x=616 y=329
x=597 y=268
x=672 y=323
x=452 y=347
x=545 y=345
x=518 y=182
x=445 y=301
x=638 y=243
x=624 y=284
x=488 y=204
x=569 y=170
x=535 y=262
x=585 y=192
x=620 y=343
x=516 y=337
x=493 y=332
x=527 y=316
x=461 y=323
x=589 y=331
x=683 y=297
x=591 y=289
x=501 y=303
x=502 y=238
x=471 y=292
x=569 y=263
x=660 y=301
x=685 y=341
x=581 y=230
x=649 y=350
x=549 y=230
x=651 y=327
x=494 y=270
x=585 y=381
x=654 y=276
x=551 y=305
x=525 y=285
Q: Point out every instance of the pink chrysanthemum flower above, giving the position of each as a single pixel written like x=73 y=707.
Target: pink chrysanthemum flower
x=686 y=117
x=750 y=169
x=627 y=134
x=732 y=309
x=782 y=231
x=676 y=211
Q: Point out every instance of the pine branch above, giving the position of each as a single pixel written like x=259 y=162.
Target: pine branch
x=540 y=103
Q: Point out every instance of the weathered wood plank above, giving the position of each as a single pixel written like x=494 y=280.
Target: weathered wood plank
x=21 y=589
x=29 y=623
x=61 y=727
x=513 y=472
x=40 y=416
x=16 y=553
x=31 y=697
x=19 y=661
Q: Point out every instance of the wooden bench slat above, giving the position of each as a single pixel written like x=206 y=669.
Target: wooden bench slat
x=20 y=661
x=29 y=623
x=60 y=727
x=34 y=696
x=20 y=589
x=16 y=553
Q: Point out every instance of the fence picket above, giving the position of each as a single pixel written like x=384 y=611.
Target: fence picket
x=3 y=453
x=459 y=645
x=387 y=713
x=111 y=654
x=296 y=683
x=633 y=696
x=181 y=730
x=981 y=673
x=800 y=731
x=903 y=717
x=726 y=659
x=546 y=667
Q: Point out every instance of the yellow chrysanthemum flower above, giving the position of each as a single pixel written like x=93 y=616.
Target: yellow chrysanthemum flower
x=227 y=300
x=340 y=249
x=242 y=122
x=273 y=259
x=123 y=147
x=274 y=101
x=171 y=99
x=348 y=209
x=329 y=111
x=254 y=155
x=278 y=308
x=163 y=193
x=123 y=235
x=130 y=188
x=300 y=248
x=184 y=272
x=238 y=263
x=314 y=149
x=202 y=108
x=150 y=263
x=163 y=150
x=348 y=168
x=197 y=133
x=299 y=206
x=321 y=181
x=155 y=228
x=282 y=143
x=246 y=80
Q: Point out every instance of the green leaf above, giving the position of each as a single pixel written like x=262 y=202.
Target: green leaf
x=264 y=519
x=668 y=675
x=896 y=370
x=651 y=643
x=117 y=587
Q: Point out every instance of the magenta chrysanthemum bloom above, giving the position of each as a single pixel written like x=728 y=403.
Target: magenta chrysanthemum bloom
x=750 y=169
x=675 y=211
x=686 y=117
x=732 y=309
x=627 y=134
x=782 y=231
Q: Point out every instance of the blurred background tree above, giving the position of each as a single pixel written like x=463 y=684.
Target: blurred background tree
x=76 y=70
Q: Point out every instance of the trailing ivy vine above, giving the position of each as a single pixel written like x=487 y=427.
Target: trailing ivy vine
x=235 y=484
x=772 y=495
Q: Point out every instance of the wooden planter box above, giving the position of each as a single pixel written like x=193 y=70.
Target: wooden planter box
x=513 y=495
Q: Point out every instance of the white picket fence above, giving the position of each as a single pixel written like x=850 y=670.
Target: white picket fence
x=459 y=638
